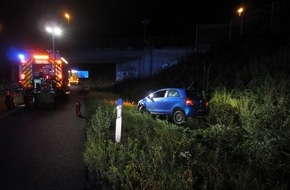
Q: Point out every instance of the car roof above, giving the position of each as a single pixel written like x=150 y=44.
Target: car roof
x=171 y=88
x=181 y=89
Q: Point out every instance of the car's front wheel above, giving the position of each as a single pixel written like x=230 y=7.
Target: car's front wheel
x=178 y=117
x=142 y=109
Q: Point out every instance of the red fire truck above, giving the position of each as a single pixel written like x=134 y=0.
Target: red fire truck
x=42 y=77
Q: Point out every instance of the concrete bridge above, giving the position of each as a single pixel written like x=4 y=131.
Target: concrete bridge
x=126 y=63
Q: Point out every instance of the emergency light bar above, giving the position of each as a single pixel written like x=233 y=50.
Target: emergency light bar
x=41 y=57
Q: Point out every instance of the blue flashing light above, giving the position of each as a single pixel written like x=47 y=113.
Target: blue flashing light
x=21 y=56
x=13 y=54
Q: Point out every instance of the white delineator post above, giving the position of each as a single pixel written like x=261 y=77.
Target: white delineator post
x=119 y=121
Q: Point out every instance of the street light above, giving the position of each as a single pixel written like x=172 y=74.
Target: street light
x=240 y=12
x=230 y=31
x=68 y=18
x=147 y=42
x=54 y=31
x=145 y=22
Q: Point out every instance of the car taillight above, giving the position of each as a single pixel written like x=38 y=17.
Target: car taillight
x=189 y=102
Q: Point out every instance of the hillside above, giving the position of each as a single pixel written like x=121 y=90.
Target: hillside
x=229 y=66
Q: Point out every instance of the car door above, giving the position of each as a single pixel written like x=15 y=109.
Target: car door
x=171 y=100
x=155 y=103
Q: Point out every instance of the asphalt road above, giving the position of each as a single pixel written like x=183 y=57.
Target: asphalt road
x=42 y=149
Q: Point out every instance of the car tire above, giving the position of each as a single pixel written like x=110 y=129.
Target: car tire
x=142 y=109
x=178 y=117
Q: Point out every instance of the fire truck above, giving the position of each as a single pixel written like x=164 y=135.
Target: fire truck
x=73 y=77
x=42 y=77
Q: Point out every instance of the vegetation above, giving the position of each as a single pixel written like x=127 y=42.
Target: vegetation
x=242 y=144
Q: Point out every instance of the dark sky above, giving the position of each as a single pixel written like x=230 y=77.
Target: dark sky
x=25 y=21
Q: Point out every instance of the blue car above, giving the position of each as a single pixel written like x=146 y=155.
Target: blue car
x=175 y=103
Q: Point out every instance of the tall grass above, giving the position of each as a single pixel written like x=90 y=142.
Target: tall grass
x=242 y=144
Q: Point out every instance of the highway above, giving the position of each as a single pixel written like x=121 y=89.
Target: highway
x=42 y=148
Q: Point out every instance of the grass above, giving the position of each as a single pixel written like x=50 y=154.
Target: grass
x=236 y=147
x=242 y=144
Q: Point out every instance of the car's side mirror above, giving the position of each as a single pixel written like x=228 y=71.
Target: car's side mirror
x=150 y=96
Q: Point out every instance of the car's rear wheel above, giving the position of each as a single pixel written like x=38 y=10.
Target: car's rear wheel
x=178 y=117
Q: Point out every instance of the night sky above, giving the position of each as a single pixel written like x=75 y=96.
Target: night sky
x=25 y=21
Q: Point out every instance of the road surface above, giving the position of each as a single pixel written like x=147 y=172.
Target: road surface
x=42 y=149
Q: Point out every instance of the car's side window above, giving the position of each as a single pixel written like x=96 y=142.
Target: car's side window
x=173 y=93
x=159 y=94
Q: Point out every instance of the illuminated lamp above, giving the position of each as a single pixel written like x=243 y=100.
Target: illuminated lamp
x=58 y=61
x=22 y=76
x=189 y=102
x=64 y=60
x=240 y=11
x=40 y=57
x=59 y=76
x=21 y=56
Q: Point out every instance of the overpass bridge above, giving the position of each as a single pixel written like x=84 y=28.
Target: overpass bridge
x=114 y=60
x=126 y=62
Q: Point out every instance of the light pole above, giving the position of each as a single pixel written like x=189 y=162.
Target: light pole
x=230 y=30
x=145 y=22
x=67 y=16
x=240 y=12
x=148 y=43
x=54 y=31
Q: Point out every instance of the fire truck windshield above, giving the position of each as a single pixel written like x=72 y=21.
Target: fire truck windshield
x=42 y=69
